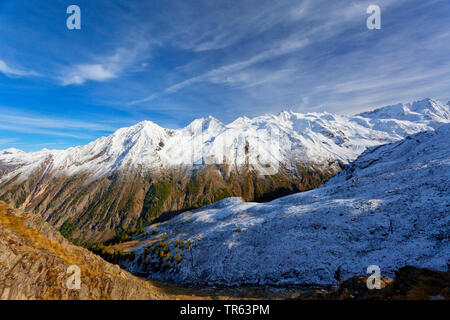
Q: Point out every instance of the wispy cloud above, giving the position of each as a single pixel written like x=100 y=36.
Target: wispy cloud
x=213 y=32
x=105 y=67
x=7 y=140
x=318 y=27
x=224 y=58
x=15 y=72
x=84 y=72
x=40 y=124
x=221 y=75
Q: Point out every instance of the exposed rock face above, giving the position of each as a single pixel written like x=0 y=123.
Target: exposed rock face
x=34 y=259
x=410 y=283
x=92 y=211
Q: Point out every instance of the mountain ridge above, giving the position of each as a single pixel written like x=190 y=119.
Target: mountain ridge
x=129 y=178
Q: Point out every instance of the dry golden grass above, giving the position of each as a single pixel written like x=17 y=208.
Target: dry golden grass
x=92 y=267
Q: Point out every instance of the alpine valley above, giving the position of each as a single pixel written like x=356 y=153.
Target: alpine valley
x=389 y=208
x=116 y=186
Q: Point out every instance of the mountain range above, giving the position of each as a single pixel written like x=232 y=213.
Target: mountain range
x=116 y=185
x=389 y=208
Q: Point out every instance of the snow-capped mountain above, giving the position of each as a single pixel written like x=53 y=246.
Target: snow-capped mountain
x=139 y=172
x=389 y=208
x=268 y=139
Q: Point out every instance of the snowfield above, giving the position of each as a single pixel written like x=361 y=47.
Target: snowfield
x=390 y=207
x=263 y=142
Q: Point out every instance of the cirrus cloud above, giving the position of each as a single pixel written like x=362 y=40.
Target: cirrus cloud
x=14 y=72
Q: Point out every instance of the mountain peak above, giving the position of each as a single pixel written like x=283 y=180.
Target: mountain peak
x=286 y=114
x=140 y=129
x=241 y=121
x=202 y=125
x=421 y=110
x=146 y=124
x=431 y=109
x=11 y=151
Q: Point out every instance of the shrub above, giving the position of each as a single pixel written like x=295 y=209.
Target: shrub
x=238 y=229
x=178 y=258
x=122 y=235
x=67 y=228
x=139 y=227
x=155 y=199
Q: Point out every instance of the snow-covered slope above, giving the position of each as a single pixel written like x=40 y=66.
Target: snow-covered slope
x=391 y=208
x=285 y=138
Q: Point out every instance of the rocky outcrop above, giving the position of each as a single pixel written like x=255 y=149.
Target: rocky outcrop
x=34 y=259
x=410 y=283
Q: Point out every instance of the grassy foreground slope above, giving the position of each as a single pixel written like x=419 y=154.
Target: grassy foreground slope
x=34 y=259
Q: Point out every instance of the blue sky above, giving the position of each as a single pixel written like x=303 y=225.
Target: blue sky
x=174 y=61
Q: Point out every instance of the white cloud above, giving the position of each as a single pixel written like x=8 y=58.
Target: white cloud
x=7 y=140
x=105 y=67
x=39 y=124
x=13 y=72
x=227 y=25
x=40 y=121
x=225 y=73
x=319 y=27
x=84 y=72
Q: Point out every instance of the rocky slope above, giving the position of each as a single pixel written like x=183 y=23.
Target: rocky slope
x=410 y=283
x=389 y=208
x=119 y=183
x=34 y=259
